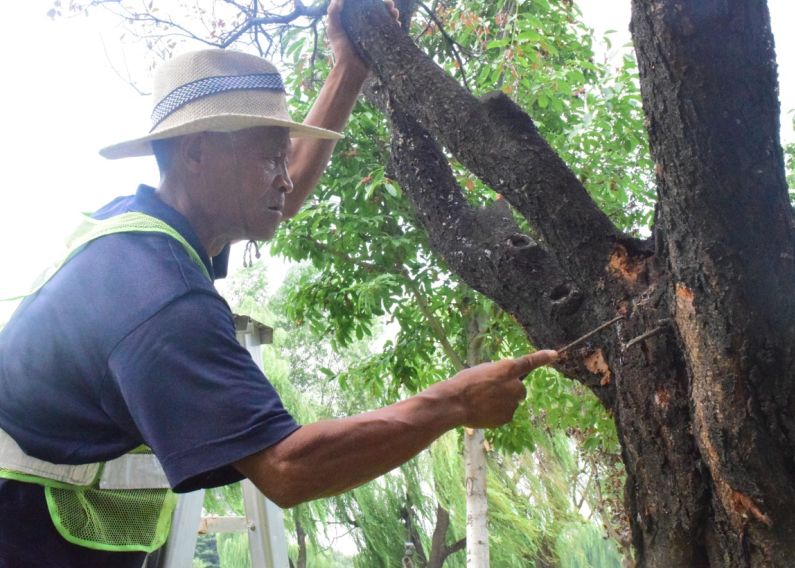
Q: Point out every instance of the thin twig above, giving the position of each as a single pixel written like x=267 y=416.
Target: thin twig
x=248 y=10
x=254 y=12
x=314 y=13
x=430 y=20
x=313 y=59
x=127 y=79
x=589 y=334
x=454 y=45
x=662 y=326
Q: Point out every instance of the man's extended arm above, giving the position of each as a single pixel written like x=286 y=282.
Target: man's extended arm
x=332 y=456
x=309 y=156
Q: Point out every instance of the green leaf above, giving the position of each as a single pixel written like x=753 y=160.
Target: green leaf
x=391 y=189
x=497 y=43
x=543 y=101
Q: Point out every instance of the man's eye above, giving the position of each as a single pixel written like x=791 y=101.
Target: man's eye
x=275 y=162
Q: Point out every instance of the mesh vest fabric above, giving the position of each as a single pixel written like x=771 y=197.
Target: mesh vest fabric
x=119 y=520
x=116 y=520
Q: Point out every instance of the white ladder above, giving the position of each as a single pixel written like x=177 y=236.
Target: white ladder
x=263 y=521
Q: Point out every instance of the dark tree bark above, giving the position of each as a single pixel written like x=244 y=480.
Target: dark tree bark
x=300 y=535
x=704 y=401
x=440 y=550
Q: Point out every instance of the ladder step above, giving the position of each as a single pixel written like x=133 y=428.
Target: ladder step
x=215 y=525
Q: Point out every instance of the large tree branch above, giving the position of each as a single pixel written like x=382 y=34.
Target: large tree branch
x=494 y=139
x=487 y=249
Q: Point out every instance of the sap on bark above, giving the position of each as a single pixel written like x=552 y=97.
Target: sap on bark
x=662 y=398
x=742 y=505
x=625 y=266
x=596 y=363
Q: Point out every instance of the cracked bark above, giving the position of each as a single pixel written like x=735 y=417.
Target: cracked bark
x=709 y=87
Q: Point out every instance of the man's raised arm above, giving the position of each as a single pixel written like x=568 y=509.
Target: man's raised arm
x=309 y=156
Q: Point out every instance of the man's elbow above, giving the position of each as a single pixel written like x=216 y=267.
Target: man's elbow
x=284 y=501
x=281 y=486
x=287 y=495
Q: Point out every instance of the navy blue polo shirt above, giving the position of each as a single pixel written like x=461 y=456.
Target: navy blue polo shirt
x=130 y=343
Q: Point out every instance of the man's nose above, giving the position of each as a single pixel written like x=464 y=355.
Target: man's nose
x=283 y=182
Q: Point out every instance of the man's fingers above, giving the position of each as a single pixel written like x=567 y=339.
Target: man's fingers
x=534 y=360
x=335 y=9
x=395 y=13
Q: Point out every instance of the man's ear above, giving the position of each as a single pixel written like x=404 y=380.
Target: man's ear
x=192 y=148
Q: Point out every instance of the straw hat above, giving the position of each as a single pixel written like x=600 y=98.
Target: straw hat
x=214 y=90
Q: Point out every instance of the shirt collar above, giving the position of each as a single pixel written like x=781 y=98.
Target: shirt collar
x=146 y=201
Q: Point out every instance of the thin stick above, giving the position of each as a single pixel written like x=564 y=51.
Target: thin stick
x=589 y=334
x=662 y=326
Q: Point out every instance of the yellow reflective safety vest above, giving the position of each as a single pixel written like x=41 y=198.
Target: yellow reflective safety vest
x=121 y=505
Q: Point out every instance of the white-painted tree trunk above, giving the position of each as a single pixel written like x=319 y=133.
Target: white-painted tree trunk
x=477 y=506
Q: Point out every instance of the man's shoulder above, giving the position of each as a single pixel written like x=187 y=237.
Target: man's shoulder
x=156 y=261
x=133 y=275
x=115 y=283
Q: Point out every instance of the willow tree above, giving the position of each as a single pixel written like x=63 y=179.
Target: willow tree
x=698 y=374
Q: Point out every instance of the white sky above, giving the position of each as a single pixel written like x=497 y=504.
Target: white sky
x=64 y=101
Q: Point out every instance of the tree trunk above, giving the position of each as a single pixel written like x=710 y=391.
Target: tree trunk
x=475 y=467
x=300 y=535
x=709 y=86
x=475 y=473
x=699 y=374
x=440 y=550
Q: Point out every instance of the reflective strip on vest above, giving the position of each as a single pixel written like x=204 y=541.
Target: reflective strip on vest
x=14 y=459
x=134 y=471
x=130 y=471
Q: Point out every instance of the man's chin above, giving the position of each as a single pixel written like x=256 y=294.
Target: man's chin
x=264 y=234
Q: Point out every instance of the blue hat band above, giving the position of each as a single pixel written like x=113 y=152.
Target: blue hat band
x=208 y=86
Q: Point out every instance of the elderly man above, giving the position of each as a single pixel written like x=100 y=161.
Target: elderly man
x=128 y=343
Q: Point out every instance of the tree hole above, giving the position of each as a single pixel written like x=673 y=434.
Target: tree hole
x=560 y=292
x=520 y=241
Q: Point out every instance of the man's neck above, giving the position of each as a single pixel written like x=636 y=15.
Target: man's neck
x=178 y=196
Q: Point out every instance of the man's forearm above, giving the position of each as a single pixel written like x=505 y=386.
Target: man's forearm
x=332 y=456
x=309 y=156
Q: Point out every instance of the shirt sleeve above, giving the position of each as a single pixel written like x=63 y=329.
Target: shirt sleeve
x=194 y=394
